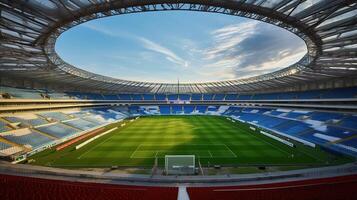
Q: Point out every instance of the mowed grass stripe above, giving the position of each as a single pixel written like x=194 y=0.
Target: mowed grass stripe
x=214 y=139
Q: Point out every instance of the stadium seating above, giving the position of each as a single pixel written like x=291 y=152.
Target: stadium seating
x=207 y=97
x=161 y=97
x=15 y=187
x=124 y=96
x=351 y=142
x=149 y=97
x=58 y=130
x=350 y=92
x=95 y=120
x=91 y=96
x=7 y=149
x=294 y=115
x=212 y=108
x=108 y=114
x=80 y=124
x=219 y=97
x=27 y=137
x=137 y=97
x=22 y=93
x=172 y=97
x=58 y=116
x=231 y=97
x=57 y=95
x=31 y=122
x=110 y=97
x=201 y=109
x=185 y=97
x=244 y=97
x=165 y=110
x=3 y=127
x=177 y=109
x=349 y=122
x=325 y=116
x=4 y=146
x=188 y=109
x=336 y=188
x=196 y=97
x=316 y=127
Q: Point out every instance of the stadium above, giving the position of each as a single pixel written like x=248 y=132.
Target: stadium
x=68 y=132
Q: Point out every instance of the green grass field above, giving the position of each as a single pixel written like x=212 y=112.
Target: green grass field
x=214 y=140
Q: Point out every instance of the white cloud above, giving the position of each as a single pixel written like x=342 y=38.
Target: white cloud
x=146 y=43
x=169 y=54
x=249 y=49
x=239 y=50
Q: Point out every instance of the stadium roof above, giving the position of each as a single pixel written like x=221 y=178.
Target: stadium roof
x=29 y=30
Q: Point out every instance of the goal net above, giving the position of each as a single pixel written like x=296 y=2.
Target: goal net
x=180 y=164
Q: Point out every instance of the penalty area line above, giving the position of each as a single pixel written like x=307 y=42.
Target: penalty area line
x=210 y=153
x=131 y=156
x=235 y=155
x=93 y=147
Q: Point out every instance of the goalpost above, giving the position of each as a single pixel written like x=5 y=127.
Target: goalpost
x=179 y=164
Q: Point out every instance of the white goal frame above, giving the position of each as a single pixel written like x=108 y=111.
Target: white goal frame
x=181 y=170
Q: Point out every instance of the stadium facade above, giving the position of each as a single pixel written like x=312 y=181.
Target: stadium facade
x=47 y=104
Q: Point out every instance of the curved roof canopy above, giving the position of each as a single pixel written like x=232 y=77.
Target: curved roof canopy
x=29 y=30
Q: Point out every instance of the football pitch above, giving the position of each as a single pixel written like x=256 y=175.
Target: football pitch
x=213 y=140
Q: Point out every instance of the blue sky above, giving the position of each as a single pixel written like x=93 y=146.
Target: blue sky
x=191 y=46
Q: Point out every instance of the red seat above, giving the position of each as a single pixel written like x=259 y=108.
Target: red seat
x=339 y=188
x=17 y=187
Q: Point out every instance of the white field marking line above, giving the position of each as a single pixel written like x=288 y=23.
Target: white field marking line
x=230 y=150
x=233 y=155
x=171 y=144
x=266 y=142
x=131 y=156
x=211 y=156
x=210 y=153
x=301 y=151
x=93 y=148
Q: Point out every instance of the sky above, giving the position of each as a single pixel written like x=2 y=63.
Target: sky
x=189 y=46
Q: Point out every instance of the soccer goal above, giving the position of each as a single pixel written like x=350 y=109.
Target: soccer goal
x=180 y=164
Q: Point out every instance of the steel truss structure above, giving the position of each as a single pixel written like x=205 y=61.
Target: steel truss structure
x=29 y=29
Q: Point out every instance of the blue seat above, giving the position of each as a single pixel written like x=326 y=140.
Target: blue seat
x=185 y=97
x=349 y=122
x=201 y=109
x=188 y=109
x=350 y=92
x=244 y=97
x=172 y=97
x=207 y=97
x=58 y=116
x=160 y=97
x=149 y=97
x=219 y=97
x=34 y=139
x=165 y=110
x=176 y=109
x=110 y=97
x=196 y=97
x=231 y=97
x=124 y=96
x=137 y=97
x=58 y=130
x=324 y=116
x=80 y=124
